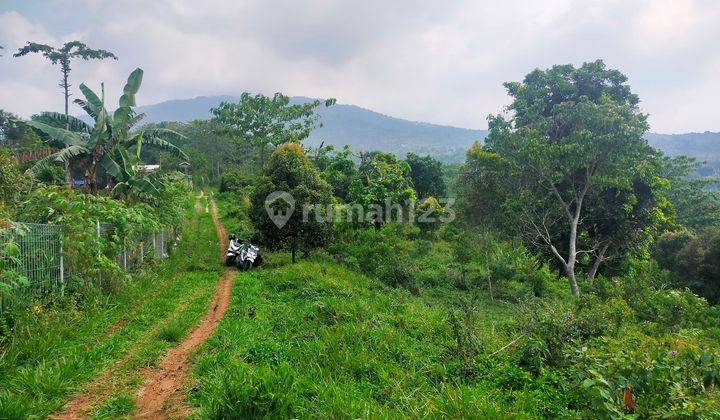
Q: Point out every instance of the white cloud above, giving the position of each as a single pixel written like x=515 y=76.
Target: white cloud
x=441 y=62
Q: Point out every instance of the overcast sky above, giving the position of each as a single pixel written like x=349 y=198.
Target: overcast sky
x=438 y=61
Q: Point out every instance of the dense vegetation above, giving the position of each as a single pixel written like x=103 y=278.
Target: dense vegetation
x=566 y=268
x=566 y=188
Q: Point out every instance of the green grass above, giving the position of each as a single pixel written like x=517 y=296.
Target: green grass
x=317 y=340
x=54 y=352
x=118 y=406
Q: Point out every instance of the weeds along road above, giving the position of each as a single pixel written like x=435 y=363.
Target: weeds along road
x=198 y=310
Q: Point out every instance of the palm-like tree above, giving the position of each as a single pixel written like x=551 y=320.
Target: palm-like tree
x=98 y=147
x=131 y=182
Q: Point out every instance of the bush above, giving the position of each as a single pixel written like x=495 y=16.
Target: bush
x=235 y=180
x=673 y=376
x=552 y=326
x=693 y=260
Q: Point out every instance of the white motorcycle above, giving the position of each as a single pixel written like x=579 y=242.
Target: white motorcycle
x=243 y=256
x=233 y=251
x=249 y=257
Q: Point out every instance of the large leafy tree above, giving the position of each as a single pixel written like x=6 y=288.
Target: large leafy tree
x=337 y=167
x=11 y=184
x=289 y=170
x=694 y=261
x=572 y=134
x=427 y=176
x=382 y=187
x=481 y=187
x=623 y=221
x=11 y=130
x=264 y=121
x=210 y=151
x=98 y=147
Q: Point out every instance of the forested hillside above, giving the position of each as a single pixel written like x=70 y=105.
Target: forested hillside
x=360 y=128
x=363 y=129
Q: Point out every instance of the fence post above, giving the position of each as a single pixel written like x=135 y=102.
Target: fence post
x=62 y=268
x=97 y=230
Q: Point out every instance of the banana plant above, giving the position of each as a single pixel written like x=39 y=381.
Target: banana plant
x=129 y=182
x=90 y=144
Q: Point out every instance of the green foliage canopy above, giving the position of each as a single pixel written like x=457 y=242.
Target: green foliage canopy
x=574 y=133
x=290 y=170
x=382 y=179
x=264 y=121
x=426 y=175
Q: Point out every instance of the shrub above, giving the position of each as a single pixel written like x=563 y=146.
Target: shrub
x=552 y=326
x=673 y=376
x=693 y=260
x=235 y=180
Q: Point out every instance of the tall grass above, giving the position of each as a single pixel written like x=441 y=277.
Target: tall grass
x=315 y=339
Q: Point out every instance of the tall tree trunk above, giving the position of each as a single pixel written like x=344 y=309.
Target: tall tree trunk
x=68 y=173
x=93 y=174
x=570 y=272
x=66 y=91
x=293 y=251
x=262 y=156
x=572 y=254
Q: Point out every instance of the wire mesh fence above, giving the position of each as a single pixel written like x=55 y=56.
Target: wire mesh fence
x=31 y=260
x=33 y=263
x=130 y=254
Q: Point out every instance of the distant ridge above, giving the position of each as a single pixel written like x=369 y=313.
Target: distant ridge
x=345 y=124
x=369 y=130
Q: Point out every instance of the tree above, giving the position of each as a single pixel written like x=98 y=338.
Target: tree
x=697 y=207
x=426 y=175
x=131 y=183
x=574 y=132
x=382 y=187
x=622 y=221
x=98 y=147
x=337 y=167
x=11 y=183
x=264 y=121
x=63 y=56
x=11 y=130
x=481 y=187
x=290 y=171
x=693 y=260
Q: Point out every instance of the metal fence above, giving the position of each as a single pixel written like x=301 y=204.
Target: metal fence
x=132 y=253
x=34 y=264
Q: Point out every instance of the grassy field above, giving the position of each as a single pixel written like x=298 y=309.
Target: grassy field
x=315 y=339
x=320 y=339
x=55 y=352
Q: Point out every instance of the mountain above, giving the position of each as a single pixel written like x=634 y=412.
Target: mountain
x=369 y=130
x=703 y=146
x=358 y=127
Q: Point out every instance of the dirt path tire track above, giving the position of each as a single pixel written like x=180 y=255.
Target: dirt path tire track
x=105 y=384
x=162 y=394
